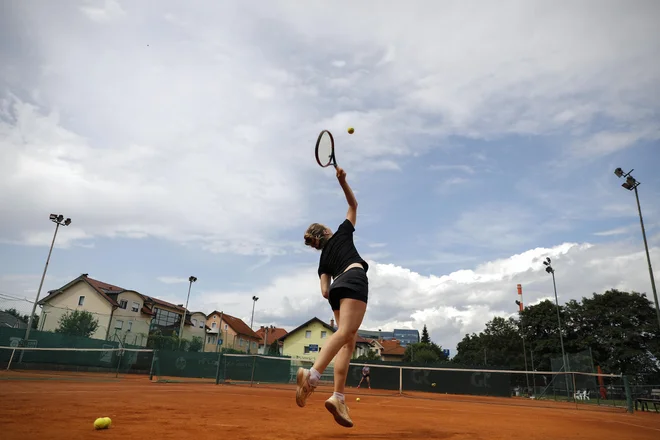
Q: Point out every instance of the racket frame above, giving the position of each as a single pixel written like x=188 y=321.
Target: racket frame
x=333 y=159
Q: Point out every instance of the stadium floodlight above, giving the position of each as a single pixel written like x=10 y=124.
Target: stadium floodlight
x=631 y=184
x=254 y=301
x=58 y=220
x=549 y=269
x=191 y=279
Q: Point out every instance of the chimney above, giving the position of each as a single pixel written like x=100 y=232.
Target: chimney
x=332 y=322
x=85 y=275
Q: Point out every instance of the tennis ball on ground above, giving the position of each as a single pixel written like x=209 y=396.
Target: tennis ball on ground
x=350 y=130
x=102 y=423
x=357 y=399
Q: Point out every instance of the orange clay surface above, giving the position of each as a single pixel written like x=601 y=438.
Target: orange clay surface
x=65 y=409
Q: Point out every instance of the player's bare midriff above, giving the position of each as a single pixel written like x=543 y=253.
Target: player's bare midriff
x=351 y=266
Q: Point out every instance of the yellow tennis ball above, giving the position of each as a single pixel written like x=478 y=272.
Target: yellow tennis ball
x=102 y=423
x=108 y=421
x=357 y=400
x=433 y=384
x=350 y=130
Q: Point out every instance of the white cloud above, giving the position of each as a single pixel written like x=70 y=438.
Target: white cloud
x=172 y=280
x=611 y=232
x=103 y=10
x=457 y=303
x=195 y=124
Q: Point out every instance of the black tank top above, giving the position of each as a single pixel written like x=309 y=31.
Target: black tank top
x=340 y=252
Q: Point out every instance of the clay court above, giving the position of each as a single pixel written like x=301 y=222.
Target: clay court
x=39 y=406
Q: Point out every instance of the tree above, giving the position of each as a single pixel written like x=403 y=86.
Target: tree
x=24 y=317
x=425 y=335
x=500 y=344
x=196 y=344
x=618 y=328
x=78 y=323
x=274 y=349
x=425 y=353
x=371 y=355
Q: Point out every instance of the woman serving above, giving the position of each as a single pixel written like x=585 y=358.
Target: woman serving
x=341 y=262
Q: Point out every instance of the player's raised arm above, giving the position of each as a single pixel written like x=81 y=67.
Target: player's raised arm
x=351 y=215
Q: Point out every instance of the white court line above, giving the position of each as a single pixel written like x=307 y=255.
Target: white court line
x=633 y=424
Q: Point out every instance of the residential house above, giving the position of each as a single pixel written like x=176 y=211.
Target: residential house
x=226 y=331
x=363 y=346
x=306 y=341
x=124 y=315
x=392 y=350
x=7 y=320
x=197 y=327
x=270 y=335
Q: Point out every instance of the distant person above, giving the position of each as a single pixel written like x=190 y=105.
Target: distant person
x=347 y=296
x=365 y=375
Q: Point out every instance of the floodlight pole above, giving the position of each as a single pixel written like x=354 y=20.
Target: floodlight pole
x=564 y=361
x=191 y=279
x=522 y=333
x=59 y=221
x=631 y=184
x=254 y=301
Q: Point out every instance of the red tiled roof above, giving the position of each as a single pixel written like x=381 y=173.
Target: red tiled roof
x=361 y=340
x=274 y=333
x=164 y=303
x=239 y=326
x=392 y=348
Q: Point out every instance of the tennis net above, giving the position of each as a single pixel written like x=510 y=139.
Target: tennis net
x=408 y=380
x=33 y=361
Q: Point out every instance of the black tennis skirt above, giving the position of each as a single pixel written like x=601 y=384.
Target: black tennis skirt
x=351 y=284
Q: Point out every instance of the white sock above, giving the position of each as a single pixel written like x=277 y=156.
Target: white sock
x=339 y=396
x=314 y=377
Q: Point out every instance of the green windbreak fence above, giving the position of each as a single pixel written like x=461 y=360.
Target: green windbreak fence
x=57 y=352
x=221 y=367
x=280 y=370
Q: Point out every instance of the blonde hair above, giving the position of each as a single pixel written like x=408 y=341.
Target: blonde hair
x=316 y=234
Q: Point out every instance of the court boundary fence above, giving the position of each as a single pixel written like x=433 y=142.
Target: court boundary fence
x=257 y=369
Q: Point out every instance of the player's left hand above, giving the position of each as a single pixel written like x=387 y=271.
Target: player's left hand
x=341 y=174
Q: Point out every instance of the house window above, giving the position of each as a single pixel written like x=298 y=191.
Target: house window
x=119 y=324
x=81 y=300
x=165 y=318
x=208 y=339
x=240 y=342
x=130 y=325
x=308 y=334
x=225 y=326
x=122 y=304
x=213 y=325
x=194 y=323
x=201 y=324
x=324 y=334
x=306 y=349
x=136 y=306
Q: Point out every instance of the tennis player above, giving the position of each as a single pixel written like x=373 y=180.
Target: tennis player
x=365 y=375
x=341 y=262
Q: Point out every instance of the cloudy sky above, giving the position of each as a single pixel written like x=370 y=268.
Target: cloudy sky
x=179 y=138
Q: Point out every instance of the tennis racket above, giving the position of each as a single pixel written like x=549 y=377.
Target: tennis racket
x=325 y=150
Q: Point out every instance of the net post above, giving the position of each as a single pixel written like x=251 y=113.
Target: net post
x=11 y=358
x=217 y=371
x=120 y=355
x=254 y=361
x=400 y=381
x=629 y=401
x=153 y=360
x=574 y=390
